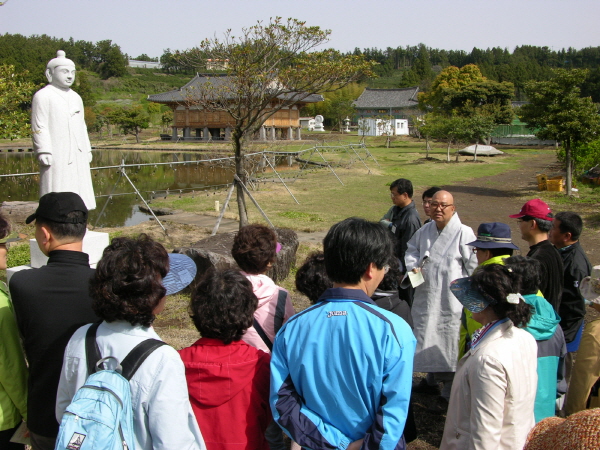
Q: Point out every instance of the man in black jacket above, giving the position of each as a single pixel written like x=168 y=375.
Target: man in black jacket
x=535 y=221
x=50 y=304
x=565 y=232
x=402 y=220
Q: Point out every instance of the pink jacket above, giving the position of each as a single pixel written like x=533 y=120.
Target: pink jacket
x=267 y=292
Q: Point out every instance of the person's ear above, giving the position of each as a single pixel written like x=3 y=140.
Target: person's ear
x=371 y=271
x=46 y=235
x=49 y=75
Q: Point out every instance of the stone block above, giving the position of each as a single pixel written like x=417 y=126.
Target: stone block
x=215 y=252
x=94 y=244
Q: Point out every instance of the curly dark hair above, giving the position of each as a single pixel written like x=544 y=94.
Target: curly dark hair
x=530 y=271
x=127 y=284
x=222 y=305
x=495 y=281
x=254 y=247
x=311 y=278
x=391 y=280
x=4 y=227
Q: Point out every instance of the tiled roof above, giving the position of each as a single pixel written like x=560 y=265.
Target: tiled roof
x=184 y=93
x=387 y=98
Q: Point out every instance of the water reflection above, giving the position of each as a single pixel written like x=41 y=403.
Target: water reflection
x=121 y=208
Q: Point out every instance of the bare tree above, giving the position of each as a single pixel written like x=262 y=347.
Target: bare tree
x=269 y=66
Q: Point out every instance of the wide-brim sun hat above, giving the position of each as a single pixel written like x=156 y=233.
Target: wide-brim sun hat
x=590 y=286
x=493 y=235
x=469 y=296
x=182 y=271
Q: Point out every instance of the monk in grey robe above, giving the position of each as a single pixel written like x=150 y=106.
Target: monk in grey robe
x=439 y=251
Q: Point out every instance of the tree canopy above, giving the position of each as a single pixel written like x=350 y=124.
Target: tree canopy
x=466 y=92
x=15 y=99
x=557 y=110
x=271 y=66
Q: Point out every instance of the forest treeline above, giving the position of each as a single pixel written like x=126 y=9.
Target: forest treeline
x=32 y=53
x=398 y=67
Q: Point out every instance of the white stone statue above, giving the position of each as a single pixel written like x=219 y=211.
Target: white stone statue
x=319 y=123
x=60 y=138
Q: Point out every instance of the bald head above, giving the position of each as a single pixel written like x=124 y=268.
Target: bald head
x=442 y=208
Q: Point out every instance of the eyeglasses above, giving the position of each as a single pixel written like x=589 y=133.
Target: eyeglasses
x=443 y=206
x=426 y=202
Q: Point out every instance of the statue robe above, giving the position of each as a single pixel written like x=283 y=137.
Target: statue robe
x=59 y=130
x=444 y=257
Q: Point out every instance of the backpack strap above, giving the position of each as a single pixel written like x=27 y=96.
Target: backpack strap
x=279 y=310
x=92 y=352
x=263 y=335
x=137 y=356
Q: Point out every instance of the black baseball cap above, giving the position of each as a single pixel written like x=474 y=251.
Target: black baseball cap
x=55 y=206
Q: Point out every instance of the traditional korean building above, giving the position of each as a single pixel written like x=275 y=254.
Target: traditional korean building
x=200 y=124
x=388 y=103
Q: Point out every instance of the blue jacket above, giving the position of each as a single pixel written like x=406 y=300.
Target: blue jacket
x=342 y=371
x=543 y=326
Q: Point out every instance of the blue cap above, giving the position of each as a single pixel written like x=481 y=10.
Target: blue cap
x=493 y=235
x=470 y=297
x=182 y=270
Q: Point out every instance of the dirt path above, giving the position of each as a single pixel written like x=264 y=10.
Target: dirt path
x=493 y=199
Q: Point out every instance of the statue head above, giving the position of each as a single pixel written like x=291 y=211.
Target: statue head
x=60 y=71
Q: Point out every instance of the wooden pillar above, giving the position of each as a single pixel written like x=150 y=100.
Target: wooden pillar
x=290 y=134
x=205 y=134
x=228 y=133
x=262 y=134
x=174 y=135
x=273 y=133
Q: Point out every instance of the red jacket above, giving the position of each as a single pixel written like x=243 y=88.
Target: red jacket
x=229 y=393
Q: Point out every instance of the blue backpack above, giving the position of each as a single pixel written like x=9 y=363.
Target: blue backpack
x=100 y=414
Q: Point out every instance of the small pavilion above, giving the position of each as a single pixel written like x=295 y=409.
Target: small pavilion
x=200 y=124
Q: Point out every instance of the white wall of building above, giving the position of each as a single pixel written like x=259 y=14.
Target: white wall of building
x=382 y=127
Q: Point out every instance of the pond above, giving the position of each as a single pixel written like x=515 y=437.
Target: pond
x=152 y=179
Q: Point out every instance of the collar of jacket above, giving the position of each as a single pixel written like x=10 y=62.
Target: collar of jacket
x=344 y=295
x=69 y=257
x=568 y=248
x=501 y=328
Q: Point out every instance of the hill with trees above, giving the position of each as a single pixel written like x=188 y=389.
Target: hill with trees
x=105 y=81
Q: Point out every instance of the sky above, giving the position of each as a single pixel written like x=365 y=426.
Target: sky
x=151 y=26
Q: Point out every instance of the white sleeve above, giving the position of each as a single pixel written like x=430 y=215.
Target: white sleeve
x=73 y=373
x=171 y=421
x=412 y=255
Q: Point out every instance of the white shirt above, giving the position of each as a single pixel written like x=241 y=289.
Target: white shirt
x=162 y=414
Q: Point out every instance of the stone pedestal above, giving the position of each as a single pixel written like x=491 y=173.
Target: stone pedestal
x=94 y=244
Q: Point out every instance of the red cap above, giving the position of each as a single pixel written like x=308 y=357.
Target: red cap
x=535 y=208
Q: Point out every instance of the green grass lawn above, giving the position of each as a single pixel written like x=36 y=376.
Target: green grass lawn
x=325 y=201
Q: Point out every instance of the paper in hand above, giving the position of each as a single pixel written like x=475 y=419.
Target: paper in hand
x=416 y=279
x=19 y=436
